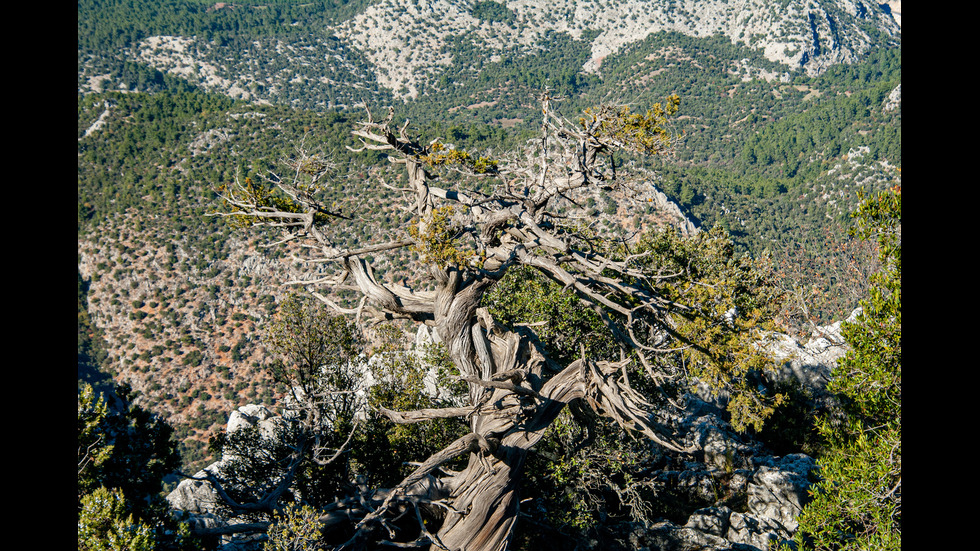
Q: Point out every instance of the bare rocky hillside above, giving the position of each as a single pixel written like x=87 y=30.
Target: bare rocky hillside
x=407 y=43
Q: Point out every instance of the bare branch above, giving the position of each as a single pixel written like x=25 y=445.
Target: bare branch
x=467 y=241
x=417 y=416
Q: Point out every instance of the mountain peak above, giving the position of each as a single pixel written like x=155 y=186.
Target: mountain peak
x=407 y=41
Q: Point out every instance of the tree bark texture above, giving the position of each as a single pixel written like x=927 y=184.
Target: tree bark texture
x=515 y=392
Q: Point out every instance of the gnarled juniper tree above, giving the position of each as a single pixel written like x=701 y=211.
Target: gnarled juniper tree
x=677 y=310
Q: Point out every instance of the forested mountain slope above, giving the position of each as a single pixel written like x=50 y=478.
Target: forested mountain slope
x=329 y=53
x=788 y=108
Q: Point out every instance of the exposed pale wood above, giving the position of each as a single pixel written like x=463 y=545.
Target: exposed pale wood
x=511 y=399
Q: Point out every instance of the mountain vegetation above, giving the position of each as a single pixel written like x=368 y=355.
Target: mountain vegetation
x=672 y=309
x=858 y=501
x=179 y=98
x=124 y=453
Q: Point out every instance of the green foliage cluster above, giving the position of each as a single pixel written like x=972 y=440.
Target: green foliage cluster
x=294 y=528
x=317 y=359
x=857 y=504
x=261 y=197
x=313 y=348
x=260 y=458
x=494 y=12
x=124 y=453
x=646 y=134
x=722 y=301
x=440 y=155
x=584 y=475
x=130 y=448
x=400 y=385
x=562 y=323
x=437 y=241
x=726 y=303
x=105 y=524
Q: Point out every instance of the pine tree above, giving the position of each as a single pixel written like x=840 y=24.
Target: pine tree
x=858 y=502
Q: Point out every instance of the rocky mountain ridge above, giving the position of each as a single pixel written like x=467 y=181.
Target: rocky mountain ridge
x=408 y=40
x=400 y=47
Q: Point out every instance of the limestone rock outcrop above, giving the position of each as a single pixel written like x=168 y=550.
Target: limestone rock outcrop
x=810 y=363
x=408 y=46
x=196 y=496
x=731 y=494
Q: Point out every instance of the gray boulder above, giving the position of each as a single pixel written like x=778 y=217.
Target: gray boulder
x=198 y=496
x=778 y=492
x=810 y=363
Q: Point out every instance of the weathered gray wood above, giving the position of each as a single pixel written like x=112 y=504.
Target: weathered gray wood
x=511 y=401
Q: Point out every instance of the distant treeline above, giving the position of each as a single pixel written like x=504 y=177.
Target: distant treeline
x=115 y=24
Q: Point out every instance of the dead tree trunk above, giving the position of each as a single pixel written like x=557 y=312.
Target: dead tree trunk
x=515 y=391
